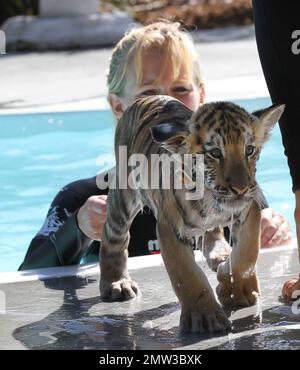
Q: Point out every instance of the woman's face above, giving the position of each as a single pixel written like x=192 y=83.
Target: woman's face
x=182 y=88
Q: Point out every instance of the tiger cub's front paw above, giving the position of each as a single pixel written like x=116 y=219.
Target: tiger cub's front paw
x=123 y=289
x=204 y=316
x=238 y=291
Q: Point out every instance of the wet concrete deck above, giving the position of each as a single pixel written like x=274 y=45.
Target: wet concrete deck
x=67 y=313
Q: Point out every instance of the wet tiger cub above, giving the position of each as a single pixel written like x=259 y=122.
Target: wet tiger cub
x=230 y=140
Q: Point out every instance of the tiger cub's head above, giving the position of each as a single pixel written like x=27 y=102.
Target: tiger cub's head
x=230 y=139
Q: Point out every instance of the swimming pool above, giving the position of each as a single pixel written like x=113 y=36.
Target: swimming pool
x=40 y=153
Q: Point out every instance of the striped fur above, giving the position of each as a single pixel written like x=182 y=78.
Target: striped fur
x=163 y=125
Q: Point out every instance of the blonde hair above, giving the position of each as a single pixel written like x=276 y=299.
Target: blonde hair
x=174 y=43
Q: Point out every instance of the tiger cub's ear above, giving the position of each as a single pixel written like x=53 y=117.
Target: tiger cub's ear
x=265 y=120
x=171 y=136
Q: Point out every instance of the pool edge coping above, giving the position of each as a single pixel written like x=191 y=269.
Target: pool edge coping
x=86 y=270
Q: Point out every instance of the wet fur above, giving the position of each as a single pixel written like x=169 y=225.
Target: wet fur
x=163 y=125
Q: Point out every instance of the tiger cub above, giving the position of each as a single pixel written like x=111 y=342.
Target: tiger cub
x=230 y=140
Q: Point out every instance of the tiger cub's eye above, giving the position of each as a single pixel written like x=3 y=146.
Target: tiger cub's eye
x=249 y=150
x=216 y=153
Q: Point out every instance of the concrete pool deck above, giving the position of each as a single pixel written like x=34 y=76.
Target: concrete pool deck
x=75 y=80
x=67 y=313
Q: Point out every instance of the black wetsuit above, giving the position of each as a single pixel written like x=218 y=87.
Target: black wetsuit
x=277 y=27
x=61 y=242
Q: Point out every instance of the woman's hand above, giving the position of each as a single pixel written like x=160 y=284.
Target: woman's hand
x=291 y=286
x=92 y=216
x=275 y=229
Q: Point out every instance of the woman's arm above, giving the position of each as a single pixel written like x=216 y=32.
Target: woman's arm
x=63 y=247
x=61 y=240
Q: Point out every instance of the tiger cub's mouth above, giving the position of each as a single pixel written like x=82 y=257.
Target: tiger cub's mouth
x=238 y=199
x=226 y=198
x=233 y=204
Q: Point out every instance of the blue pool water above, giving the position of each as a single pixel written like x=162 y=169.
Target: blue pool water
x=40 y=153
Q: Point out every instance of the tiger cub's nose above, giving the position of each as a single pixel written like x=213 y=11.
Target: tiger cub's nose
x=239 y=191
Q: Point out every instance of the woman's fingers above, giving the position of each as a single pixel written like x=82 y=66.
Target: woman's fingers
x=275 y=229
x=268 y=228
x=282 y=236
x=268 y=234
x=266 y=216
x=92 y=216
x=98 y=204
x=291 y=289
